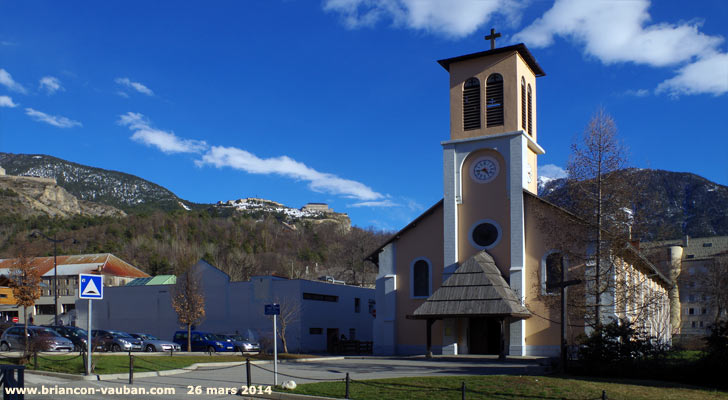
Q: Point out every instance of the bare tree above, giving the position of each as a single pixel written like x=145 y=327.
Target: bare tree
x=598 y=196
x=188 y=301
x=290 y=314
x=25 y=281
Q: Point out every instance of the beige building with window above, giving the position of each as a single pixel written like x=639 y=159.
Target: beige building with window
x=116 y=272
x=478 y=272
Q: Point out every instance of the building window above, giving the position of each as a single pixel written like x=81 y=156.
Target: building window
x=523 y=103
x=485 y=234
x=3 y=296
x=421 y=278
x=315 y=331
x=553 y=265
x=701 y=324
x=494 y=100
x=320 y=297
x=691 y=311
x=693 y=324
x=68 y=307
x=704 y=311
x=471 y=104
x=352 y=334
x=530 y=112
x=45 y=309
x=691 y=297
x=357 y=304
x=372 y=304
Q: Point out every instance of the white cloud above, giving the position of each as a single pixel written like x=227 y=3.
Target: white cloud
x=122 y=94
x=134 y=85
x=451 y=18
x=7 y=80
x=50 y=84
x=619 y=31
x=551 y=171
x=235 y=158
x=167 y=142
x=637 y=93
x=380 y=203
x=55 y=120
x=707 y=75
x=239 y=159
x=6 y=101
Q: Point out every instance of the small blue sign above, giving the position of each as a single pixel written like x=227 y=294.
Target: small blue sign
x=90 y=286
x=272 y=309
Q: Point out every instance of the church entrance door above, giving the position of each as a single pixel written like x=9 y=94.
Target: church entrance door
x=484 y=335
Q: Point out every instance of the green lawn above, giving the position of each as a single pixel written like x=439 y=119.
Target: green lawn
x=119 y=363
x=506 y=387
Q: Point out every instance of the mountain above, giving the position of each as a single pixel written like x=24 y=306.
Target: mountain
x=673 y=204
x=117 y=189
x=32 y=196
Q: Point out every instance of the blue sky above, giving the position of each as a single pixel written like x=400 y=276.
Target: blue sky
x=342 y=101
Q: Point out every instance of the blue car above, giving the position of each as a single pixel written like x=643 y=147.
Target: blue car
x=203 y=341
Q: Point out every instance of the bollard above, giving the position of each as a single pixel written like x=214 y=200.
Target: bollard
x=346 y=395
x=462 y=389
x=131 y=368
x=35 y=360
x=83 y=356
x=247 y=370
x=171 y=351
x=604 y=395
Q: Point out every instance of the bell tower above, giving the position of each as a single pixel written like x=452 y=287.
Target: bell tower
x=489 y=160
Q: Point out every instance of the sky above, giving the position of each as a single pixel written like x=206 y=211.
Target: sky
x=342 y=101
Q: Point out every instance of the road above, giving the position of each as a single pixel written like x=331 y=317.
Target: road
x=213 y=382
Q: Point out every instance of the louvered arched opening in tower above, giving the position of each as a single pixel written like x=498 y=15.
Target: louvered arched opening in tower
x=471 y=104
x=523 y=103
x=494 y=100
x=530 y=124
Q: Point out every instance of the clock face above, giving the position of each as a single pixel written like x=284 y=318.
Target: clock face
x=484 y=169
x=530 y=172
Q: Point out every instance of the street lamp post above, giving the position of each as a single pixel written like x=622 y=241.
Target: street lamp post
x=55 y=268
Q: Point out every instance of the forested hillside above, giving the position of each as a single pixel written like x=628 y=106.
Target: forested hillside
x=162 y=242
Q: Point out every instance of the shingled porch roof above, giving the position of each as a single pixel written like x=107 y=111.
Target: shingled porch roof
x=475 y=289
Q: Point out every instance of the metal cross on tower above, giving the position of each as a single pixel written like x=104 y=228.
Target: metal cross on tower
x=492 y=38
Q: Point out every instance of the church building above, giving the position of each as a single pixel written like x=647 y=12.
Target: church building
x=475 y=273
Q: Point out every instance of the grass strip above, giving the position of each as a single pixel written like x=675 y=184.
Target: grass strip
x=506 y=387
x=119 y=363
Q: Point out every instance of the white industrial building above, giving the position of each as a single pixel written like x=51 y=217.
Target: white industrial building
x=325 y=310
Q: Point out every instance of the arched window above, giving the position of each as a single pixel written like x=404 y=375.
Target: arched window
x=530 y=125
x=421 y=281
x=471 y=104
x=494 y=100
x=523 y=103
x=551 y=272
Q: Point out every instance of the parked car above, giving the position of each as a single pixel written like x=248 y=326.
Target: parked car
x=115 y=341
x=76 y=335
x=330 y=279
x=243 y=342
x=40 y=337
x=203 y=341
x=151 y=343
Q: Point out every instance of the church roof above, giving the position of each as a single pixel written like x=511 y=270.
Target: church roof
x=475 y=289
x=374 y=255
x=520 y=48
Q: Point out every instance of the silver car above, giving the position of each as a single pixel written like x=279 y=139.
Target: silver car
x=40 y=337
x=115 y=341
x=151 y=343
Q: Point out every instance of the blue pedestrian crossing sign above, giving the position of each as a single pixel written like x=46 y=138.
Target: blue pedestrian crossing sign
x=90 y=286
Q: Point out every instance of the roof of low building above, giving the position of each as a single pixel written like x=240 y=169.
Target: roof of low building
x=156 y=280
x=101 y=264
x=475 y=289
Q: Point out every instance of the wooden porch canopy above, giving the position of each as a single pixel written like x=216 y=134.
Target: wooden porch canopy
x=475 y=289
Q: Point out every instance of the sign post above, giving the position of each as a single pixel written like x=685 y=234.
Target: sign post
x=90 y=287
x=274 y=310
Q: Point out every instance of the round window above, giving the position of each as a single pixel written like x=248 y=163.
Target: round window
x=485 y=234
